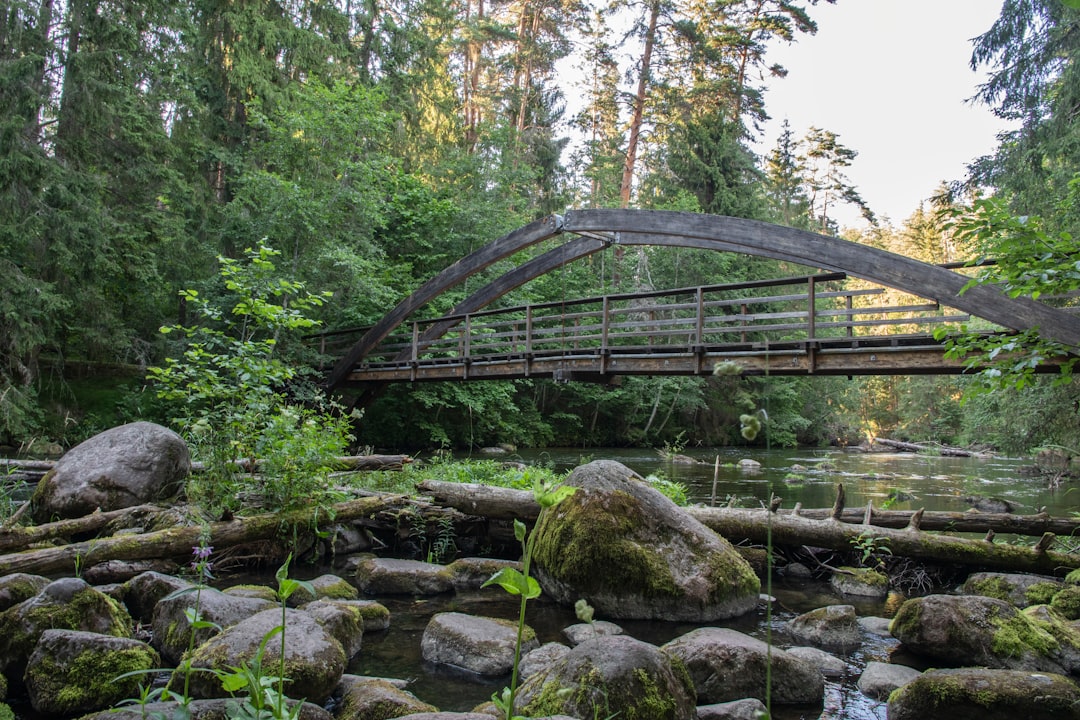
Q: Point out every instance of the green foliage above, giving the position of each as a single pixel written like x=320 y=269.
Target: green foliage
x=520 y=583
x=1031 y=261
x=869 y=548
x=227 y=392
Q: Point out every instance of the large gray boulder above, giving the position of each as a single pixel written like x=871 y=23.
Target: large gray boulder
x=215 y=709
x=126 y=466
x=976 y=630
x=314 y=660
x=57 y=680
x=985 y=694
x=65 y=604
x=634 y=554
x=610 y=676
x=729 y=665
x=478 y=644
x=879 y=679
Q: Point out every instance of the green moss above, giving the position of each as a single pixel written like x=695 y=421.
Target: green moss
x=1020 y=634
x=907 y=620
x=652 y=704
x=589 y=544
x=1041 y=593
x=6 y=713
x=995 y=587
x=375 y=615
x=1073 y=578
x=3 y=687
x=341 y=590
x=867 y=576
x=1067 y=602
x=91 y=681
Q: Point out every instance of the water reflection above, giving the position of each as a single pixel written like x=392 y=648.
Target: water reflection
x=915 y=481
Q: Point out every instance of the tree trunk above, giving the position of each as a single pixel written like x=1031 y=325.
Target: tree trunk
x=177 y=542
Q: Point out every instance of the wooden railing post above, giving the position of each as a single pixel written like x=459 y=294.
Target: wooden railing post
x=850 y=318
x=468 y=337
x=414 y=351
x=699 y=332
x=811 y=309
x=605 y=309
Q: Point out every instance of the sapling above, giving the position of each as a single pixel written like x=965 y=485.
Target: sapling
x=522 y=584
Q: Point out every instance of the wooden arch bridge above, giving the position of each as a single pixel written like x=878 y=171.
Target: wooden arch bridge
x=812 y=324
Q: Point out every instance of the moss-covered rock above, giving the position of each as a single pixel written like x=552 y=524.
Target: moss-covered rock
x=314 y=660
x=728 y=665
x=481 y=645
x=1017 y=588
x=611 y=676
x=72 y=672
x=978 y=630
x=6 y=713
x=67 y=604
x=985 y=694
x=375 y=699
x=859 y=581
x=833 y=627
x=342 y=620
x=18 y=587
x=634 y=554
x=1067 y=602
x=173 y=633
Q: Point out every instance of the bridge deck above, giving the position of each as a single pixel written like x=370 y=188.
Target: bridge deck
x=791 y=326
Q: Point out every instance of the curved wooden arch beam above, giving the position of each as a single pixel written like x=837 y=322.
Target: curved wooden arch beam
x=880 y=266
x=636 y=238
x=539 y=265
x=474 y=262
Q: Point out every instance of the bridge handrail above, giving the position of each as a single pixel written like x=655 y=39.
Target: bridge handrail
x=608 y=325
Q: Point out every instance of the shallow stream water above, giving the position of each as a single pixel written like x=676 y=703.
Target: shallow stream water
x=936 y=483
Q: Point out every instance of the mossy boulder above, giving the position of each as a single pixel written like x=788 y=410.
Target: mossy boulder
x=1067 y=602
x=72 y=672
x=375 y=699
x=1017 y=588
x=977 y=630
x=172 y=627
x=66 y=604
x=214 y=709
x=342 y=620
x=634 y=554
x=611 y=676
x=392 y=576
x=729 y=665
x=142 y=593
x=17 y=587
x=314 y=660
x=125 y=466
x=859 y=581
x=478 y=644
x=833 y=627
x=986 y=694
x=326 y=587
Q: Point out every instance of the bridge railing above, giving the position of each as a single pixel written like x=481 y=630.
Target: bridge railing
x=810 y=309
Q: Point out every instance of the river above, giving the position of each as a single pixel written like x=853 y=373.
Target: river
x=936 y=483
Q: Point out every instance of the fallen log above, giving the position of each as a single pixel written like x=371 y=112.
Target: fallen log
x=16 y=537
x=738 y=524
x=177 y=542
x=930 y=447
x=506 y=504
x=351 y=462
x=34 y=469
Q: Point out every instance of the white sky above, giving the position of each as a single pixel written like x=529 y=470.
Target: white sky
x=891 y=78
